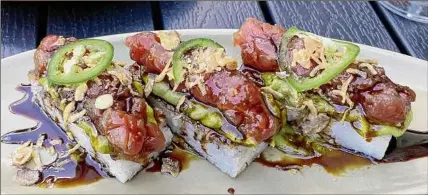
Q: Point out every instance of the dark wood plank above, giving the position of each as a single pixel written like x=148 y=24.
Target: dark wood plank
x=18 y=27
x=353 y=21
x=412 y=35
x=89 y=19
x=208 y=14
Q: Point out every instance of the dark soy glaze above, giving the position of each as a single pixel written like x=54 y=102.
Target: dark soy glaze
x=335 y=162
x=85 y=174
x=183 y=156
x=411 y=145
x=406 y=154
x=338 y=161
x=73 y=173
x=231 y=191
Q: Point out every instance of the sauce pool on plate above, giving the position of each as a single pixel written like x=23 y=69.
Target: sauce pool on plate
x=70 y=174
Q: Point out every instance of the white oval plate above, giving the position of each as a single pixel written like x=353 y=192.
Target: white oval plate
x=202 y=177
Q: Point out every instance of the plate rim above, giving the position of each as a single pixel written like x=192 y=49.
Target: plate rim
x=212 y=31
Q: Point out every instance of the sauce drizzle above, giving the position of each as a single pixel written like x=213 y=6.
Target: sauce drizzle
x=178 y=153
x=339 y=161
x=231 y=191
x=335 y=162
x=72 y=173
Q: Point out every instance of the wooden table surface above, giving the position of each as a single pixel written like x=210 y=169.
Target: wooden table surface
x=24 y=24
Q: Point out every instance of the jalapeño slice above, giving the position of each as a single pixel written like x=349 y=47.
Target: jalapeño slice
x=56 y=68
x=332 y=67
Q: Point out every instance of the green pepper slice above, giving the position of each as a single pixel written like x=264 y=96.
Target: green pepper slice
x=177 y=58
x=59 y=58
x=333 y=67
